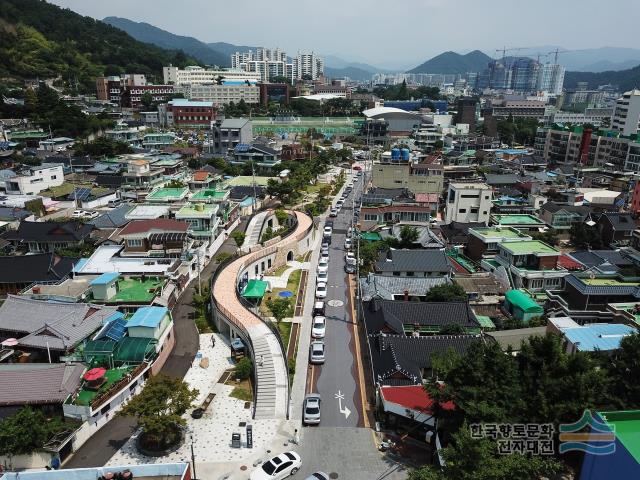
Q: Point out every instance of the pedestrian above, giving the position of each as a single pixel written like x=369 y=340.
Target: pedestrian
x=213 y=341
x=296 y=437
x=260 y=360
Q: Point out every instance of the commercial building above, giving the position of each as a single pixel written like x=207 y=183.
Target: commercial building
x=110 y=88
x=592 y=116
x=131 y=96
x=468 y=202
x=189 y=113
x=519 y=109
x=221 y=94
x=35 y=180
x=400 y=171
x=626 y=116
x=194 y=74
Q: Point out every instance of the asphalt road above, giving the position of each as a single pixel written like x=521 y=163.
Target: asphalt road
x=337 y=379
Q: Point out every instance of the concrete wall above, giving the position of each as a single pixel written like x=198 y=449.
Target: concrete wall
x=37 y=459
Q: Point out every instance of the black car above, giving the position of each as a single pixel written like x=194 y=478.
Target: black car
x=350 y=268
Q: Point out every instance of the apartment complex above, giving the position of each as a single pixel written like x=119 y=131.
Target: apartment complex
x=198 y=75
x=522 y=75
x=269 y=63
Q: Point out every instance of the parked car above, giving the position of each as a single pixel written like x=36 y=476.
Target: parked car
x=279 y=467
x=319 y=327
x=322 y=277
x=324 y=254
x=350 y=268
x=311 y=409
x=91 y=215
x=321 y=290
x=334 y=212
x=77 y=214
x=114 y=203
x=328 y=231
x=318 y=476
x=318 y=308
x=350 y=258
x=324 y=249
x=339 y=203
x=323 y=264
x=347 y=243
x=316 y=352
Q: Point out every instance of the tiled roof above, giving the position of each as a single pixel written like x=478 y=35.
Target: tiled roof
x=72 y=231
x=58 y=325
x=390 y=314
x=200 y=176
x=494 y=179
x=400 y=360
x=456 y=232
x=9 y=214
x=143 y=226
x=413 y=261
x=620 y=221
x=386 y=287
x=114 y=218
x=45 y=267
x=515 y=338
x=38 y=383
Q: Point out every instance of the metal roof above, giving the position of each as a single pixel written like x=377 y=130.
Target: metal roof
x=105 y=278
x=147 y=317
x=413 y=261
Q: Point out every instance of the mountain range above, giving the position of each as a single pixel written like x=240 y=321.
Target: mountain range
x=452 y=62
x=624 y=79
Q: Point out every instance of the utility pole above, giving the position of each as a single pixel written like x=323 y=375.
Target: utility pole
x=199 y=280
x=255 y=196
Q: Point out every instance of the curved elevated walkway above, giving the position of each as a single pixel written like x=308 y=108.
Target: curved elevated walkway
x=272 y=393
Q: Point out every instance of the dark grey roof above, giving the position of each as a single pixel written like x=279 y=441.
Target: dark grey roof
x=494 y=179
x=8 y=214
x=389 y=193
x=386 y=287
x=393 y=315
x=621 y=222
x=45 y=267
x=114 y=218
x=553 y=207
x=109 y=180
x=601 y=258
x=76 y=162
x=38 y=383
x=72 y=231
x=400 y=360
x=241 y=192
x=59 y=326
x=234 y=122
x=264 y=149
x=565 y=169
x=515 y=338
x=456 y=232
x=413 y=261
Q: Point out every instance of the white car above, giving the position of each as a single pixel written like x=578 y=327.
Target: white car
x=334 y=212
x=318 y=476
x=282 y=466
x=77 y=214
x=324 y=254
x=350 y=258
x=322 y=277
x=321 y=290
x=323 y=265
x=316 y=352
x=91 y=214
x=319 y=327
x=324 y=249
x=311 y=409
x=328 y=231
x=347 y=244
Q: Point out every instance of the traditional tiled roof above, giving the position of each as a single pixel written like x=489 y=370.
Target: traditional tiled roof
x=413 y=261
x=45 y=267
x=72 y=231
x=38 y=383
x=386 y=287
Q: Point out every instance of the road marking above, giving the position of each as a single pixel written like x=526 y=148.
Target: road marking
x=345 y=411
x=356 y=340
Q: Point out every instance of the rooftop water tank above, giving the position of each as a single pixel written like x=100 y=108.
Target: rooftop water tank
x=395 y=153
x=405 y=154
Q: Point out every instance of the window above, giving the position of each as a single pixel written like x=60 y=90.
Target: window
x=462 y=210
x=134 y=242
x=396 y=274
x=474 y=210
x=268 y=263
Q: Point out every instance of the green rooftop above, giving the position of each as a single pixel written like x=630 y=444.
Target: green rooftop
x=85 y=395
x=168 y=193
x=247 y=180
x=197 y=210
x=485 y=322
x=530 y=247
x=211 y=194
x=517 y=219
x=255 y=289
x=27 y=134
x=134 y=290
x=499 y=232
x=627 y=429
x=608 y=282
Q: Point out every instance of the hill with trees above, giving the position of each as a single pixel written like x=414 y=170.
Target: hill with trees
x=624 y=79
x=43 y=41
x=452 y=62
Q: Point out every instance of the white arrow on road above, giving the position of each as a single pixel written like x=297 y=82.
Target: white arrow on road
x=345 y=410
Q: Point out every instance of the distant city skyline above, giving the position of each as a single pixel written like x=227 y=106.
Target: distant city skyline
x=401 y=34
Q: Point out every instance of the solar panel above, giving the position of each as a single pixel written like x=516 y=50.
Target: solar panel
x=242 y=147
x=115 y=330
x=80 y=194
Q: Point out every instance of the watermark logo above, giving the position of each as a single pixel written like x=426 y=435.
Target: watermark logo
x=522 y=438
x=587 y=435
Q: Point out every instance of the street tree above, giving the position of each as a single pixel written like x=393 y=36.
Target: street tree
x=280 y=308
x=159 y=408
x=238 y=237
x=23 y=432
x=147 y=100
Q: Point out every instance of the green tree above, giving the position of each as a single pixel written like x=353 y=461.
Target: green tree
x=584 y=236
x=446 y=292
x=159 y=409
x=280 y=308
x=369 y=254
x=23 y=432
x=623 y=367
x=147 y=100
x=280 y=79
x=408 y=236
x=243 y=368
x=467 y=458
x=451 y=329
x=175 y=184
x=282 y=216
x=238 y=237
x=102 y=146
x=549 y=237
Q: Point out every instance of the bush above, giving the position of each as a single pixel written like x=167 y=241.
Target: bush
x=221 y=257
x=243 y=369
x=238 y=237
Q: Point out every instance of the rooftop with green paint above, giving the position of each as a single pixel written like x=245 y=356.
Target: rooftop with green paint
x=211 y=195
x=626 y=425
x=197 y=210
x=162 y=194
x=247 y=180
x=516 y=219
x=530 y=247
x=86 y=394
x=609 y=282
x=499 y=233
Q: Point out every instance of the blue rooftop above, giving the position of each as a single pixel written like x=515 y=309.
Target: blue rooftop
x=147 y=317
x=105 y=279
x=598 y=336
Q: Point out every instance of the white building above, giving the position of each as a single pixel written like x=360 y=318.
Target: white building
x=195 y=74
x=468 y=202
x=626 y=116
x=272 y=62
x=307 y=64
x=220 y=94
x=37 y=180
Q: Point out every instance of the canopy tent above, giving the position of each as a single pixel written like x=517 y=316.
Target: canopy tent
x=255 y=289
x=134 y=349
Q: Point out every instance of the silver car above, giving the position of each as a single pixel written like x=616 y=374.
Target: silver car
x=316 y=352
x=311 y=409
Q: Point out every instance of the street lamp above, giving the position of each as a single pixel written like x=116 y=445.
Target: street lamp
x=193 y=457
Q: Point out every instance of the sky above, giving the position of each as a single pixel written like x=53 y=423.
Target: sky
x=391 y=33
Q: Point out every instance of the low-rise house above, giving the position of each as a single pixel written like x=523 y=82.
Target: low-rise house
x=456 y=233
x=115 y=218
x=562 y=217
x=230 y=133
x=167 y=195
x=377 y=209
x=50 y=330
x=42 y=237
x=44 y=386
x=256 y=154
x=529 y=264
x=162 y=237
x=616 y=228
x=603 y=261
x=397 y=288
x=10 y=217
x=140 y=178
x=484 y=241
x=521 y=306
x=592 y=291
x=113 y=288
x=18 y=272
x=601 y=337
x=524 y=223
x=203 y=179
x=512 y=340
x=418 y=318
x=35 y=180
x=413 y=263
x=203 y=221
x=166 y=471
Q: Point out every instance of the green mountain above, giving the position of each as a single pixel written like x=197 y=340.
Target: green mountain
x=149 y=34
x=624 y=79
x=451 y=62
x=229 y=49
x=40 y=40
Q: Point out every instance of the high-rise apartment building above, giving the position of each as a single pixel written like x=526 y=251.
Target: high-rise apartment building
x=626 y=116
x=198 y=75
x=269 y=63
x=522 y=75
x=307 y=66
x=550 y=78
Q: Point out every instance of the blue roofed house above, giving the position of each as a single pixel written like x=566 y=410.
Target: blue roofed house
x=105 y=286
x=154 y=323
x=590 y=337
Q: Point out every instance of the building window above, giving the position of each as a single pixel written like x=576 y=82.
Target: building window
x=134 y=242
x=462 y=210
x=474 y=210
